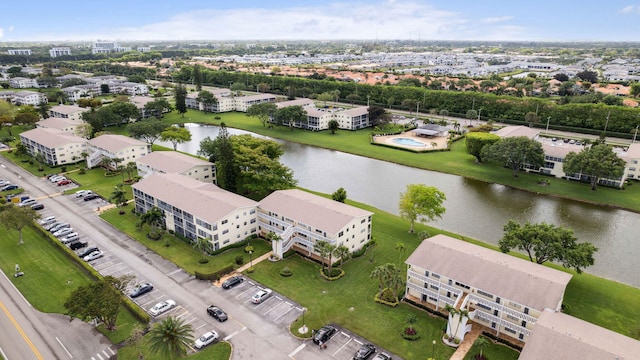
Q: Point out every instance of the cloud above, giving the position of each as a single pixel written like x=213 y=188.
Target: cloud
x=629 y=9
x=493 y=20
x=11 y=27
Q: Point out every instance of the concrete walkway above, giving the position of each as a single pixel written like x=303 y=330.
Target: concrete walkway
x=469 y=339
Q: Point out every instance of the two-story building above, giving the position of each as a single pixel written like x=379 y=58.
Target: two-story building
x=23 y=83
x=300 y=219
x=501 y=292
x=75 y=93
x=113 y=147
x=173 y=162
x=58 y=147
x=195 y=209
x=70 y=112
x=27 y=97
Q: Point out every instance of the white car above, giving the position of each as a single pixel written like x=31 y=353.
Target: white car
x=94 y=255
x=261 y=296
x=69 y=238
x=206 y=339
x=59 y=226
x=161 y=307
x=47 y=220
x=27 y=202
x=81 y=193
x=55 y=179
x=63 y=232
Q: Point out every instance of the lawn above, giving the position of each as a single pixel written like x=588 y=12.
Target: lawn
x=96 y=181
x=218 y=351
x=178 y=251
x=493 y=351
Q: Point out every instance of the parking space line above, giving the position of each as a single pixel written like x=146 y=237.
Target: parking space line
x=181 y=315
x=342 y=347
x=146 y=303
x=199 y=327
x=283 y=314
x=358 y=341
x=99 y=357
x=105 y=353
x=294 y=352
x=244 y=292
x=187 y=322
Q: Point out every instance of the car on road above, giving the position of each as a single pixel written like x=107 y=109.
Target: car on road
x=64 y=182
x=77 y=244
x=37 y=206
x=206 y=339
x=63 y=232
x=70 y=237
x=81 y=193
x=90 y=197
x=88 y=251
x=232 y=281
x=324 y=334
x=217 y=313
x=365 y=351
x=93 y=256
x=47 y=220
x=382 y=356
x=261 y=296
x=9 y=187
x=162 y=307
x=140 y=290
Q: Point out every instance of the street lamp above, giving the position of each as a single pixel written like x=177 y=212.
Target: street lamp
x=433 y=352
x=479 y=112
x=303 y=329
x=548 y=118
x=250 y=259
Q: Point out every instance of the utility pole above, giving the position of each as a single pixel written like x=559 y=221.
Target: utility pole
x=548 y=118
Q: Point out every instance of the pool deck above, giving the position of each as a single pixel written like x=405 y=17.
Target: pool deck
x=439 y=141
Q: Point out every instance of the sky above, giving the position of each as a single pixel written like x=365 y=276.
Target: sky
x=482 y=20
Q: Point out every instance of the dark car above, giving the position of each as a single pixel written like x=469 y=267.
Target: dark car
x=324 y=334
x=232 y=281
x=91 y=197
x=217 y=313
x=9 y=187
x=365 y=351
x=77 y=244
x=88 y=251
x=141 y=290
x=37 y=206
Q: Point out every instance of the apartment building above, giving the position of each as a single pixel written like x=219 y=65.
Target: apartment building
x=58 y=147
x=632 y=157
x=196 y=209
x=71 y=112
x=301 y=219
x=224 y=101
x=242 y=103
x=23 y=83
x=67 y=125
x=173 y=162
x=75 y=93
x=59 y=51
x=502 y=293
x=105 y=46
x=27 y=97
x=19 y=52
x=115 y=147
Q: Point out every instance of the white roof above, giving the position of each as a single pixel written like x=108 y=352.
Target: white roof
x=52 y=138
x=513 y=131
x=114 y=143
x=57 y=123
x=68 y=109
x=171 y=161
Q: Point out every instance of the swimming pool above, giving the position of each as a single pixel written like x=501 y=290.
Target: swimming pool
x=408 y=142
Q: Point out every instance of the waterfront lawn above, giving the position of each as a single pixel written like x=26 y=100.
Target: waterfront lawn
x=178 y=251
x=217 y=351
x=49 y=275
x=493 y=351
x=96 y=181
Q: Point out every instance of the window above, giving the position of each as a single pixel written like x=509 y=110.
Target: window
x=225 y=232
x=224 y=221
x=483 y=293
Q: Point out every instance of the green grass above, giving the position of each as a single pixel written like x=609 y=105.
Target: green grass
x=493 y=351
x=217 y=351
x=50 y=276
x=178 y=251
x=125 y=323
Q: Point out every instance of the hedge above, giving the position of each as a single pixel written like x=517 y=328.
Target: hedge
x=216 y=275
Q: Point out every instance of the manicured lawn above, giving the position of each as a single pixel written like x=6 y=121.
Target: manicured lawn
x=217 y=351
x=493 y=351
x=178 y=251
x=125 y=323
x=96 y=181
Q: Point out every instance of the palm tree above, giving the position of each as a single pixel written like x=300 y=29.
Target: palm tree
x=171 y=338
x=411 y=319
x=400 y=248
x=341 y=252
x=380 y=273
x=462 y=314
x=153 y=217
x=119 y=196
x=20 y=150
x=452 y=311
x=481 y=343
x=321 y=247
x=105 y=162
x=330 y=249
x=131 y=168
x=202 y=245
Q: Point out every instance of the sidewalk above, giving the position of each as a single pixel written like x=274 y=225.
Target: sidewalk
x=244 y=267
x=466 y=345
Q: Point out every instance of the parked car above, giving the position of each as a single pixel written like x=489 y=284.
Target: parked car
x=27 y=202
x=382 y=356
x=217 y=313
x=324 y=334
x=140 y=290
x=206 y=339
x=47 y=220
x=88 y=251
x=56 y=178
x=60 y=226
x=232 y=281
x=9 y=187
x=261 y=296
x=93 y=256
x=162 y=307
x=81 y=193
x=77 y=244
x=69 y=238
x=64 y=182
x=90 y=197
x=51 y=225
x=365 y=351
x=4 y=182
x=37 y=206
x=52 y=175
x=63 y=232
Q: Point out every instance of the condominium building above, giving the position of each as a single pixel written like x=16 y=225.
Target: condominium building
x=501 y=292
x=19 y=52
x=27 y=97
x=301 y=219
x=67 y=125
x=23 y=83
x=71 y=112
x=196 y=209
x=58 y=147
x=173 y=162
x=242 y=103
x=59 y=51
x=104 y=46
x=224 y=101
x=75 y=93
x=115 y=147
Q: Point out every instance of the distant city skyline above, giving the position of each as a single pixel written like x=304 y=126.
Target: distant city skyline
x=481 y=20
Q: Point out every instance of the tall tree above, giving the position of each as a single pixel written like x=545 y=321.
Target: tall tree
x=43 y=109
x=180 y=99
x=515 y=152
x=326 y=96
x=378 y=115
x=157 y=107
x=333 y=126
x=197 y=77
x=545 y=242
x=263 y=111
x=323 y=248
x=207 y=99
x=291 y=115
x=119 y=195
x=171 y=338
x=339 y=195
x=16 y=218
x=220 y=151
x=342 y=252
x=99 y=300
x=421 y=202
x=175 y=135
x=154 y=218
x=149 y=130
x=596 y=162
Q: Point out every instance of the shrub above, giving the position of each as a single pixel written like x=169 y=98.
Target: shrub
x=248 y=249
x=214 y=275
x=239 y=260
x=82 y=171
x=63 y=169
x=203 y=261
x=410 y=334
x=286 y=272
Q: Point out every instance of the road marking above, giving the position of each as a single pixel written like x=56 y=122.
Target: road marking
x=294 y=352
x=111 y=351
x=174 y=272
x=105 y=353
x=199 y=327
x=187 y=322
x=2 y=352
x=99 y=357
x=15 y=288
x=283 y=314
x=342 y=347
x=65 y=349
x=234 y=333
x=22 y=333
